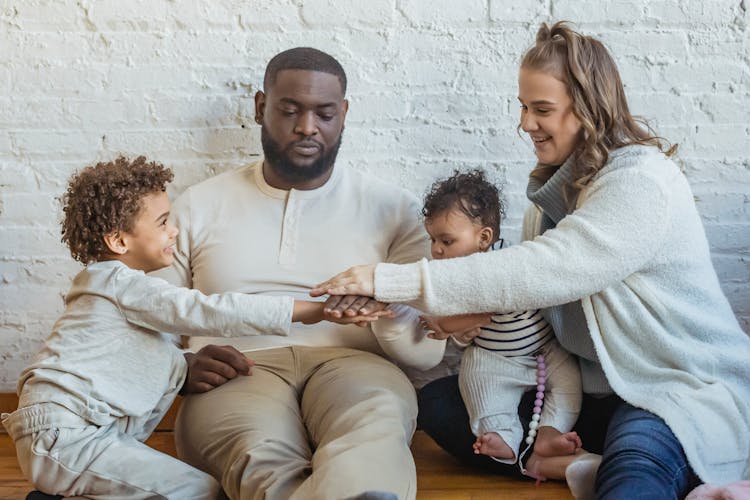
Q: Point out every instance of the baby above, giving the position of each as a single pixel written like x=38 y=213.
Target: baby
x=506 y=354
x=106 y=375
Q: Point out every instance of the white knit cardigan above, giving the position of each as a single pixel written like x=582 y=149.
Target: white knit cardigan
x=635 y=253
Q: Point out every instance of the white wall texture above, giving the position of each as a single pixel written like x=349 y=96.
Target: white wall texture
x=432 y=88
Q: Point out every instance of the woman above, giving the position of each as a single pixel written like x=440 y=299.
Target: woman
x=617 y=257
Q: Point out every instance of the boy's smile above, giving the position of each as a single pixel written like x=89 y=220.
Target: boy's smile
x=150 y=244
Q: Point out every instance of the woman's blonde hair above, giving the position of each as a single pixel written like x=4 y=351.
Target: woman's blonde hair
x=585 y=66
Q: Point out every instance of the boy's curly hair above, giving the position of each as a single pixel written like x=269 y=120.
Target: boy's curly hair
x=105 y=198
x=471 y=193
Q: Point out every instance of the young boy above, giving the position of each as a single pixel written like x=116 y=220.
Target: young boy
x=106 y=376
x=506 y=354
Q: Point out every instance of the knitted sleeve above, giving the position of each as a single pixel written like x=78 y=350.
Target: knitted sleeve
x=615 y=232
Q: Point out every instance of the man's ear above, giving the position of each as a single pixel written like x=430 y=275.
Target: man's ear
x=486 y=238
x=345 y=107
x=116 y=243
x=260 y=106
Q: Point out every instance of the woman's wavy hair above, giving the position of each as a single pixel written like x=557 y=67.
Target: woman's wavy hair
x=585 y=66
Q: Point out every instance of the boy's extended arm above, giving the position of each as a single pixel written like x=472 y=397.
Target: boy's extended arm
x=157 y=305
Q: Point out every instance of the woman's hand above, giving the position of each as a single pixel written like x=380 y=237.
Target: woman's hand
x=357 y=280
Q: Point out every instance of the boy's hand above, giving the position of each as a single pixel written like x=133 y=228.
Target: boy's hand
x=307 y=311
x=213 y=366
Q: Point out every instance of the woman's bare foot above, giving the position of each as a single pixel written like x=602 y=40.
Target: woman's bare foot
x=490 y=443
x=552 y=443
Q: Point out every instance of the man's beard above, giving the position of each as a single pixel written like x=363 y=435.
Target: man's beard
x=278 y=160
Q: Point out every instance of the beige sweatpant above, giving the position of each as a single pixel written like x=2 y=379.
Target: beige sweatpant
x=309 y=423
x=62 y=454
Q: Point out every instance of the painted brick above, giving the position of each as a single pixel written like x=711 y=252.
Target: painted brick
x=274 y=15
x=443 y=12
x=327 y=13
x=432 y=85
x=57 y=16
x=688 y=12
x=57 y=144
x=58 y=271
x=16 y=177
x=502 y=11
x=597 y=13
x=27 y=241
x=28 y=208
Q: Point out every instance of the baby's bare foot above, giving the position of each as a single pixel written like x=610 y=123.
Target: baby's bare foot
x=493 y=445
x=553 y=444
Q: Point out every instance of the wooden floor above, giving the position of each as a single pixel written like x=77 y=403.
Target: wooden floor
x=439 y=476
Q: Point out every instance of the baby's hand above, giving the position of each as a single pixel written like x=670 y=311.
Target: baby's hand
x=432 y=327
x=466 y=337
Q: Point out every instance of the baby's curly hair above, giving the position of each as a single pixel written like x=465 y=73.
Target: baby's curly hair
x=105 y=198
x=471 y=193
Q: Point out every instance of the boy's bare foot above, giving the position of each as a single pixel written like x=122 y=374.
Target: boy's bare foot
x=551 y=443
x=490 y=443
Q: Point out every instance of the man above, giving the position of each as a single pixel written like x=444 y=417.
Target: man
x=323 y=415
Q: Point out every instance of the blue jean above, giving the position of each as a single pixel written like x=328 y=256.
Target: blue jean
x=641 y=456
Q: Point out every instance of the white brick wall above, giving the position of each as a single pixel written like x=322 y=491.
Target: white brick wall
x=433 y=87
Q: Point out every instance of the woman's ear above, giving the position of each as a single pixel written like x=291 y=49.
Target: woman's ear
x=116 y=243
x=485 y=238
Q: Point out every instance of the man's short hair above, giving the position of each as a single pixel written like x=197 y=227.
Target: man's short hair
x=305 y=58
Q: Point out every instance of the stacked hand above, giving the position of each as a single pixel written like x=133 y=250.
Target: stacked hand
x=348 y=309
x=357 y=280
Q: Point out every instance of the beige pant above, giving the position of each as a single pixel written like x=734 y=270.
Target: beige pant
x=309 y=423
x=60 y=453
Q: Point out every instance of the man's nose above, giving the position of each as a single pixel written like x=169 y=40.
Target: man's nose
x=306 y=124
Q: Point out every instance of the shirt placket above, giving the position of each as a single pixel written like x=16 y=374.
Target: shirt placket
x=288 y=250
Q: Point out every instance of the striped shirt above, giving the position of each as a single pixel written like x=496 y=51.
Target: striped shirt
x=515 y=334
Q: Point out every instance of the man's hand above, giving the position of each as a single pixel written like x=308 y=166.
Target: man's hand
x=357 y=280
x=213 y=366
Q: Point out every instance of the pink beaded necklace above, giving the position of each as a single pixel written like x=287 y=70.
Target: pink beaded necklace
x=541 y=378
